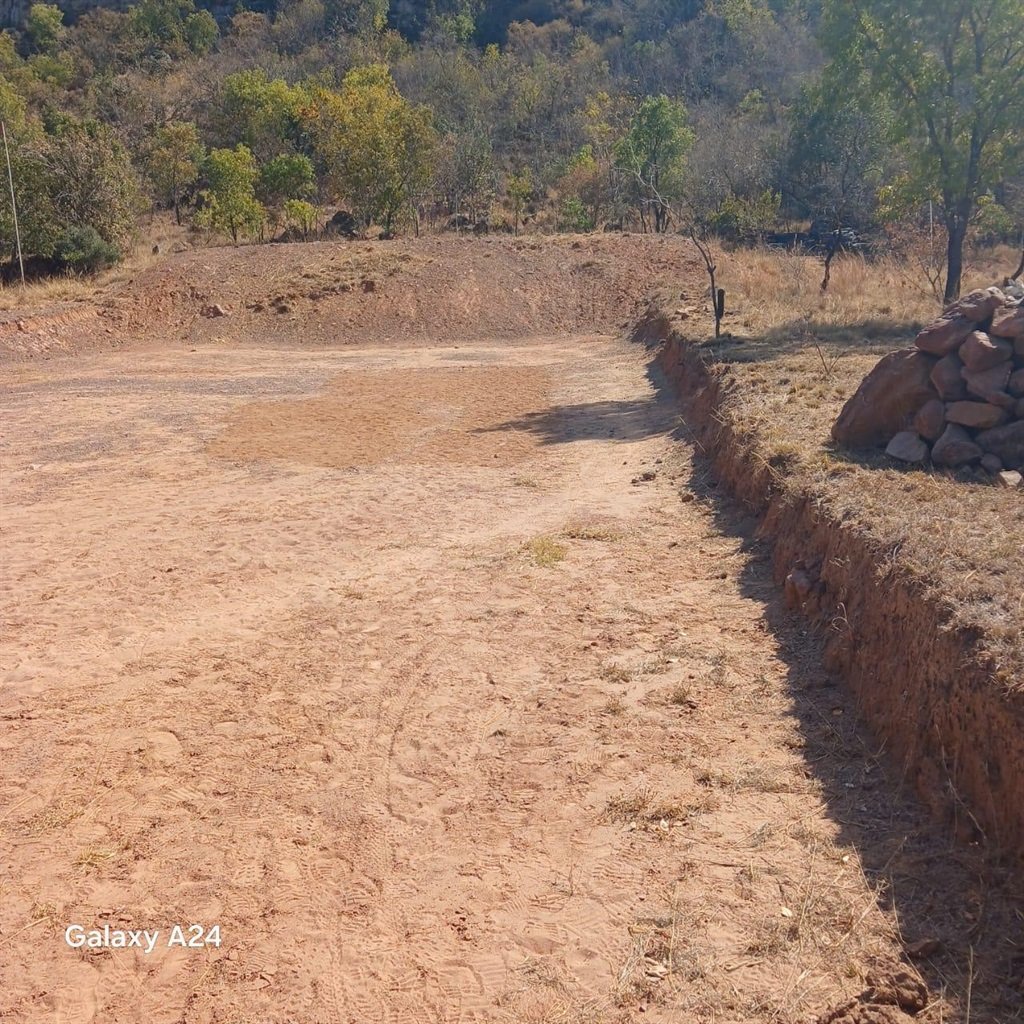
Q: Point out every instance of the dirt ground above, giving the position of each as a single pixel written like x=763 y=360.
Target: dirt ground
x=435 y=676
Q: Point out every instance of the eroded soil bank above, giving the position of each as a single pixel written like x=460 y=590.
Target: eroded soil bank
x=929 y=690
x=940 y=720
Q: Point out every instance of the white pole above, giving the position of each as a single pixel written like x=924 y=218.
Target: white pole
x=14 y=205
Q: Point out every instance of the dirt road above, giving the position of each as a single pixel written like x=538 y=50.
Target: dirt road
x=418 y=672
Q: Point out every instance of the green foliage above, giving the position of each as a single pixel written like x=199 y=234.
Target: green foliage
x=746 y=219
x=838 y=155
x=287 y=176
x=89 y=180
x=753 y=105
x=230 y=205
x=172 y=161
x=589 y=103
x=173 y=28
x=262 y=113
x=457 y=27
x=377 y=149
x=574 y=216
x=75 y=175
x=52 y=71
x=519 y=188
x=651 y=155
x=952 y=72
x=82 y=250
x=994 y=220
x=44 y=26
x=201 y=32
x=587 y=190
x=301 y=216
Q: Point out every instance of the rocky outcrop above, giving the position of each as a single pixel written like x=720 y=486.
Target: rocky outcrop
x=955 y=397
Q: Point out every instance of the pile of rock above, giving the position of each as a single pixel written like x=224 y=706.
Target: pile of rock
x=956 y=397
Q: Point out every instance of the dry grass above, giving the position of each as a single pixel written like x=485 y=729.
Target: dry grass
x=545 y=552
x=770 y=289
x=642 y=810
x=586 y=530
x=47 y=293
x=797 y=356
x=615 y=674
x=160 y=231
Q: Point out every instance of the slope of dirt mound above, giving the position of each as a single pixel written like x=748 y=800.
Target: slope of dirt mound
x=407 y=291
x=52 y=330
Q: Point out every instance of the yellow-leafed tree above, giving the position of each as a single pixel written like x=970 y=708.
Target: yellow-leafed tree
x=376 y=149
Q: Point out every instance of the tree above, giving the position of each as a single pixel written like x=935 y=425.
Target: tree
x=520 y=189
x=172 y=161
x=837 y=156
x=85 y=178
x=288 y=176
x=585 y=189
x=44 y=26
x=465 y=172
x=229 y=201
x=377 y=149
x=201 y=32
x=953 y=74
x=260 y=112
x=173 y=28
x=356 y=16
x=652 y=154
x=300 y=215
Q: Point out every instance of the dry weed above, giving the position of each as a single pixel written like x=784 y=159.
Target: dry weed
x=545 y=552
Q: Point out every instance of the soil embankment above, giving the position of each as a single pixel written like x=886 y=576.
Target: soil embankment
x=927 y=686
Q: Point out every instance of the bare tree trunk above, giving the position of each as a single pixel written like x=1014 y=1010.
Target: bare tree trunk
x=717 y=294
x=1019 y=272
x=956 y=225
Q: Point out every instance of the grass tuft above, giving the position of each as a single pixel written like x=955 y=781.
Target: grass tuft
x=545 y=552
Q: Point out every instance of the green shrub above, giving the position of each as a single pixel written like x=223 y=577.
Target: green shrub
x=82 y=250
x=574 y=215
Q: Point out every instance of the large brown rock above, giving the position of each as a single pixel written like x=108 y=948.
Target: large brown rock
x=979 y=351
x=1008 y=322
x=946 y=335
x=1015 y=385
x=990 y=383
x=886 y=400
x=978 y=305
x=1007 y=442
x=930 y=420
x=976 y=415
x=955 y=448
x=1018 y=409
x=947 y=378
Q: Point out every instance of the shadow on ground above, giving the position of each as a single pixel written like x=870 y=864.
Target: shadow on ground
x=959 y=908
x=593 y=421
x=805 y=335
